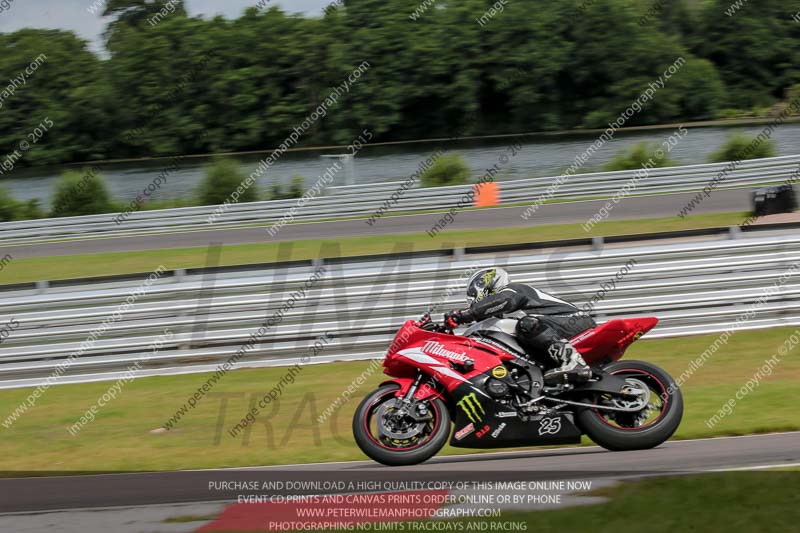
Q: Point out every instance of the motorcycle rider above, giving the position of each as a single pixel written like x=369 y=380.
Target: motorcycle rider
x=544 y=321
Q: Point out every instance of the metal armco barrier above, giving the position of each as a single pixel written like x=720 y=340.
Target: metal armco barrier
x=364 y=200
x=696 y=286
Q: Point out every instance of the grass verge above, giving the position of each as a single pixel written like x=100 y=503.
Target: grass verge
x=108 y=264
x=733 y=501
x=745 y=502
x=121 y=438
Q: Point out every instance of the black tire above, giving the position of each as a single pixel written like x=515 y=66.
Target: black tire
x=614 y=438
x=399 y=457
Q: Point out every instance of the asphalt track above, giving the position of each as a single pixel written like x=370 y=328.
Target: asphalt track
x=34 y=494
x=667 y=205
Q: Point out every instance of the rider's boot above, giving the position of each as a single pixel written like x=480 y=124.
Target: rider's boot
x=573 y=368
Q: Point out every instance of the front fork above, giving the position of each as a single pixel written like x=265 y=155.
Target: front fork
x=412 y=390
x=412 y=401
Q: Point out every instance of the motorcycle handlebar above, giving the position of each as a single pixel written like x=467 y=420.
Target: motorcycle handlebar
x=425 y=322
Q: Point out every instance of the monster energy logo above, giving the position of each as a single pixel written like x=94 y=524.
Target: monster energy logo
x=471 y=406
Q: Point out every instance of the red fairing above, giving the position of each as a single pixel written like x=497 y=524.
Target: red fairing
x=609 y=340
x=438 y=355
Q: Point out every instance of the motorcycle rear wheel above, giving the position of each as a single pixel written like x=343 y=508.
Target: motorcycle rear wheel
x=420 y=447
x=637 y=431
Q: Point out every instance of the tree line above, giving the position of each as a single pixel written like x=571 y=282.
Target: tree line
x=191 y=85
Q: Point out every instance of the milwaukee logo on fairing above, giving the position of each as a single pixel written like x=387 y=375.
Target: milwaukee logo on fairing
x=435 y=348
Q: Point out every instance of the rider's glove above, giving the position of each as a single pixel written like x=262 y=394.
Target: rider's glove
x=453 y=319
x=424 y=321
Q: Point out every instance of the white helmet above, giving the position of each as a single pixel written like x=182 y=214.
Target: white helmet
x=485 y=282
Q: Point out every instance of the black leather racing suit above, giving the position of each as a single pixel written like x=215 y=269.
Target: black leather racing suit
x=543 y=319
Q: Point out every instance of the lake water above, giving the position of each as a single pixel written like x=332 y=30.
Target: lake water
x=545 y=155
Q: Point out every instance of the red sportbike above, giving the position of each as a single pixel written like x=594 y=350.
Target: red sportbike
x=495 y=396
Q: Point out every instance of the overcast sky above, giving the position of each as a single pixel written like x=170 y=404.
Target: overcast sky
x=74 y=15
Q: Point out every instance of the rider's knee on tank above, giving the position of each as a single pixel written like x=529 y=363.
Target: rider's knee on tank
x=536 y=333
x=529 y=327
x=536 y=337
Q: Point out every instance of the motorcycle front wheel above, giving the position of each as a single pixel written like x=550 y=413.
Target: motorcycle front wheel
x=390 y=436
x=658 y=419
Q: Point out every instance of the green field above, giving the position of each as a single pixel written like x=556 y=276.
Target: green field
x=122 y=437
x=108 y=264
x=744 y=502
